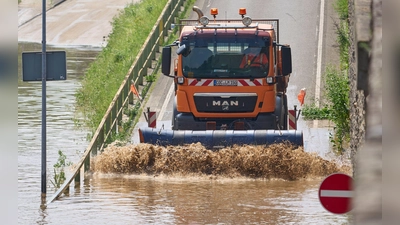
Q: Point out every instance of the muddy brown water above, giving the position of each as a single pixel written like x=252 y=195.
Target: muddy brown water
x=144 y=184
x=280 y=161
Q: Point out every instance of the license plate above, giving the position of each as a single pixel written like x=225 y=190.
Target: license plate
x=225 y=82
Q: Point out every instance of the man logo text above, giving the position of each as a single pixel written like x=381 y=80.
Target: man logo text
x=230 y=103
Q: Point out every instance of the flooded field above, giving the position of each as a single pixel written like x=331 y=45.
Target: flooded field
x=143 y=184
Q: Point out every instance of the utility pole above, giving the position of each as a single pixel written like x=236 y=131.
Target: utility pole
x=54 y=67
x=44 y=102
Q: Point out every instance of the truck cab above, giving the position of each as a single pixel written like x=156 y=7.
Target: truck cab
x=229 y=74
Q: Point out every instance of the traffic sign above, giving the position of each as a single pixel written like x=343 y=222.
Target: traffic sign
x=335 y=193
x=56 y=66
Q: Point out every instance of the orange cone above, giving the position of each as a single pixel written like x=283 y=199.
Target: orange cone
x=301 y=96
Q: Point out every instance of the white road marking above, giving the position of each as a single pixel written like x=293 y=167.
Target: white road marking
x=337 y=194
x=319 y=58
x=166 y=101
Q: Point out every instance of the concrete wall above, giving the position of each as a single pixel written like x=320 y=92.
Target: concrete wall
x=368 y=158
x=357 y=97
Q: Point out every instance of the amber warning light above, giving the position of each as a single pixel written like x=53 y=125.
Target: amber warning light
x=242 y=11
x=214 y=11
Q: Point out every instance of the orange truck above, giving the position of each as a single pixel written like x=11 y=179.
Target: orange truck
x=230 y=81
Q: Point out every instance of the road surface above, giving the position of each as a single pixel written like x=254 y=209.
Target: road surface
x=307 y=27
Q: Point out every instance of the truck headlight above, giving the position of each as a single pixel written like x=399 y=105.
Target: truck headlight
x=204 y=20
x=270 y=80
x=180 y=80
x=247 y=21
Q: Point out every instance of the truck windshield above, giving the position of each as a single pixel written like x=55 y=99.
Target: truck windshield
x=229 y=57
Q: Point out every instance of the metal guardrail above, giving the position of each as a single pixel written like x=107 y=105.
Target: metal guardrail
x=123 y=96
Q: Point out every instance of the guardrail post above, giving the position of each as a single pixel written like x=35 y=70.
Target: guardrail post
x=66 y=191
x=99 y=142
x=108 y=125
x=77 y=179
x=121 y=111
x=113 y=116
x=130 y=95
x=95 y=147
x=148 y=52
x=87 y=163
x=142 y=73
x=93 y=150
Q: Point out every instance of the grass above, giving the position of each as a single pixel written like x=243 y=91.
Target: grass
x=105 y=74
x=134 y=113
x=312 y=112
x=337 y=86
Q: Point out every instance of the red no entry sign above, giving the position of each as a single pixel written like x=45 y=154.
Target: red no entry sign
x=335 y=193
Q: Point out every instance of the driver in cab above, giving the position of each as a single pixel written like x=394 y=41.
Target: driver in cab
x=254 y=57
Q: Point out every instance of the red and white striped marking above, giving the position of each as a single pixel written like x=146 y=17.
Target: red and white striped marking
x=292 y=120
x=152 y=119
x=204 y=82
x=247 y=82
x=240 y=82
x=335 y=193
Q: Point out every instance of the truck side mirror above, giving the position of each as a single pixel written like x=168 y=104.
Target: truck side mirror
x=166 y=60
x=286 y=60
x=183 y=50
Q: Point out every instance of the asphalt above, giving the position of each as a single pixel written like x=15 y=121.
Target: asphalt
x=299 y=26
x=87 y=23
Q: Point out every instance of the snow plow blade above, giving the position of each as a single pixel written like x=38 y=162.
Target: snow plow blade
x=219 y=138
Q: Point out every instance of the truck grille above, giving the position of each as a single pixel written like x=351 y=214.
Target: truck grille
x=236 y=102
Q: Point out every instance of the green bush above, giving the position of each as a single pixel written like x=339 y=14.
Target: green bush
x=337 y=109
x=59 y=173
x=312 y=112
x=337 y=93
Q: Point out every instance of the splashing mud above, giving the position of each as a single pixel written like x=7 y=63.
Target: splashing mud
x=275 y=161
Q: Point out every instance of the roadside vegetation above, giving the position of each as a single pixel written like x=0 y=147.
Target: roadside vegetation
x=337 y=87
x=59 y=173
x=105 y=75
x=133 y=112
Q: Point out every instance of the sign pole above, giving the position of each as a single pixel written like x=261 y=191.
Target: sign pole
x=44 y=102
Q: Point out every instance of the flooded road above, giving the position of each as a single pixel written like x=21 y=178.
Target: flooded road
x=141 y=199
x=61 y=131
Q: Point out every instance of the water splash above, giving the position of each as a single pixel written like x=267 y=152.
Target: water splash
x=281 y=161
